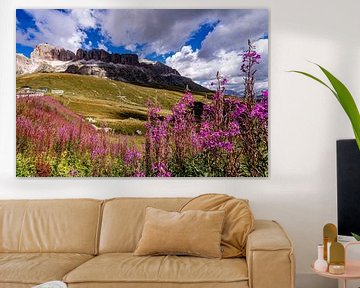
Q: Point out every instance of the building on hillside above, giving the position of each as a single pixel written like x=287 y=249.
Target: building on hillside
x=57 y=92
x=43 y=89
x=24 y=89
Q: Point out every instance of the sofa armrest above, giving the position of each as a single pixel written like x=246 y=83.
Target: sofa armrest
x=269 y=256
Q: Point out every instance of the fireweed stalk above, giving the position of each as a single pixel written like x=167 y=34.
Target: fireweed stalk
x=156 y=143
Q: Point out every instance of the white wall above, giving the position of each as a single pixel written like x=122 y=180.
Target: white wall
x=305 y=120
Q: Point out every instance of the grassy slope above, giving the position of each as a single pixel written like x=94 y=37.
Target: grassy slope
x=119 y=105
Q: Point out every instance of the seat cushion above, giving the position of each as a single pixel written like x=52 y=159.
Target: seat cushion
x=129 y=269
x=35 y=268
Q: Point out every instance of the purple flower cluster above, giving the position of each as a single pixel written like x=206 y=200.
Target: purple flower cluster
x=132 y=155
x=46 y=129
x=73 y=173
x=213 y=140
x=160 y=170
x=156 y=139
x=133 y=162
x=260 y=110
x=249 y=58
x=139 y=174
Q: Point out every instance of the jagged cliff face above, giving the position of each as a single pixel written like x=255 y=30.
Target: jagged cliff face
x=102 y=55
x=98 y=62
x=142 y=74
x=51 y=53
x=24 y=65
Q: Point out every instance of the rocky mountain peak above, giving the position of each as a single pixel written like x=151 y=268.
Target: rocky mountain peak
x=44 y=51
x=104 y=56
x=47 y=58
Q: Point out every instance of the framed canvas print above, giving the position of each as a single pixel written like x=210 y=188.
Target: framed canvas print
x=142 y=93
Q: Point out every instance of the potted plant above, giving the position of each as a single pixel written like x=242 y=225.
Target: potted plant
x=345 y=99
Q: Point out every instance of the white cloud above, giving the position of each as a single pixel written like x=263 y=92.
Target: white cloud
x=234 y=29
x=188 y=63
x=202 y=70
x=88 y=46
x=101 y=45
x=85 y=18
x=262 y=47
x=59 y=28
x=159 y=30
x=131 y=47
x=163 y=30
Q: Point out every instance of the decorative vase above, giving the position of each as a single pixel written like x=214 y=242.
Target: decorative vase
x=320 y=264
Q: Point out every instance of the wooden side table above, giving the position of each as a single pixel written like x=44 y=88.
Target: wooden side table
x=352 y=268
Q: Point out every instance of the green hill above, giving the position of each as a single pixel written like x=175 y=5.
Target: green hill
x=118 y=105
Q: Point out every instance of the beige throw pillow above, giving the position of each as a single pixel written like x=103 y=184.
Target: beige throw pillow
x=194 y=232
x=239 y=220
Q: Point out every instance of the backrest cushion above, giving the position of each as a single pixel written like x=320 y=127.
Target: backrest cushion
x=123 y=220
x=239 y=220
x=193 y=232
x=64 y=226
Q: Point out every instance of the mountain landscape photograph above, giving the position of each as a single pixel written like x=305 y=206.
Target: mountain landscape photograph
x=142 y=93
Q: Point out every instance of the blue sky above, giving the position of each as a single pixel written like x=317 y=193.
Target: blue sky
x=195 y=42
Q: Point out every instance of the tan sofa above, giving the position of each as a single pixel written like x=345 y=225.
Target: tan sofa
x=89 y=243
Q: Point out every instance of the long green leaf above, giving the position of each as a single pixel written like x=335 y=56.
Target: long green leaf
x=357 y=237
x=357 y=137
x=344 y=97
x=316 y=79
x=347 y=102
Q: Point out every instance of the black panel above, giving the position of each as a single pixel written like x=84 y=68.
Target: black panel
x=348 y=187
